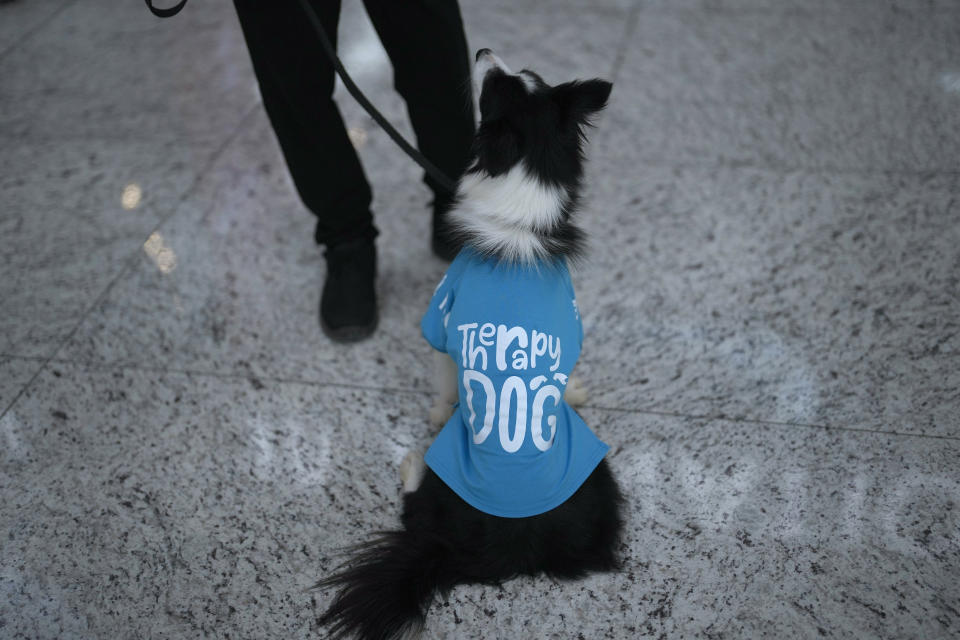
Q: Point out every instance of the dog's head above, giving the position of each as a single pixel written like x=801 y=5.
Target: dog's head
x=525 y=120
x=517 y=198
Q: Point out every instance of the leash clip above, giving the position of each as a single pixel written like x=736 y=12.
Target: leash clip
x=166 y=13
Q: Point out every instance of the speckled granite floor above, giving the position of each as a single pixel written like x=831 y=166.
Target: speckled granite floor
x=772 y=314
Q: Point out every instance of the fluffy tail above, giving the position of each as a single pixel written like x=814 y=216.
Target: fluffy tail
x=385 y=589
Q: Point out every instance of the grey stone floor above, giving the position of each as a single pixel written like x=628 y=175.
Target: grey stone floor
x=772 y=314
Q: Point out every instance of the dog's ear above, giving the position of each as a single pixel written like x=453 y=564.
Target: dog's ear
x=580 y=99
x=497 y=147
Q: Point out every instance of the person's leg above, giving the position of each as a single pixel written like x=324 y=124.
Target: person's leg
x=296 y=82
x=428 y=49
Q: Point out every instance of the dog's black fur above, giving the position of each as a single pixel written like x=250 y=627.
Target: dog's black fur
x=387 y=587
x=445 y=542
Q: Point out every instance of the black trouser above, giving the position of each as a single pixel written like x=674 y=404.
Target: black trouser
x=428 y=49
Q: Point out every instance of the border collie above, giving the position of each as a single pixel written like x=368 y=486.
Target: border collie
x=515 y=482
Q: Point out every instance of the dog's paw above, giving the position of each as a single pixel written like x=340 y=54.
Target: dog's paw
x=440 y=412
x=576 y=393
x=412 y=469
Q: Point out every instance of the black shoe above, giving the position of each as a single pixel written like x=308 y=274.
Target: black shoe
x=348 y=305
x=443 y=242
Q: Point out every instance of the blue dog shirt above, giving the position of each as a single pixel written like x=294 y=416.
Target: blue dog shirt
x=513 y=447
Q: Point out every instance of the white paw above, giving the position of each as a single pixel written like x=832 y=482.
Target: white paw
x=412 y=469
x=576 y=394
x=440 y=412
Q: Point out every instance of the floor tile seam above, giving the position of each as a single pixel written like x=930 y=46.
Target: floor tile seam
x=33 y=139
x=220 y=375
x=36 y=29
x=807 y=11
x=130 y=262
x=623 y=45
x=238 y=377
x=776 y=95
x=720 y=417
x=552 y=8
x=783 y=169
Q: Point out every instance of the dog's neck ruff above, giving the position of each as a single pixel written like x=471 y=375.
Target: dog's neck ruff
x=513 y=216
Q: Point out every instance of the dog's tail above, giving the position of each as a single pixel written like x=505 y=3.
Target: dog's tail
x=385 y=589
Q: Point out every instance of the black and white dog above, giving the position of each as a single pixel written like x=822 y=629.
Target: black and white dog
x=533 y=495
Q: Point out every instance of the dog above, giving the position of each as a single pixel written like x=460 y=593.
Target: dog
x=515 y=483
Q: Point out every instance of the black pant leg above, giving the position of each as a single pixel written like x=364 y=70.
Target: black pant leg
x=431 y=64
x=296 y=82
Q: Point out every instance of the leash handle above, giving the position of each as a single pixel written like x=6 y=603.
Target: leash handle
x=352 y=88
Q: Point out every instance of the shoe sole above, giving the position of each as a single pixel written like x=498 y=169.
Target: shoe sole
x=352 y=333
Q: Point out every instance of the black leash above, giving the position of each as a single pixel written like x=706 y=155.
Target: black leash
x=418 y=157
